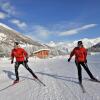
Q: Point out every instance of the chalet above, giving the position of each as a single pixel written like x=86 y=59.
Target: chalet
x=42 y=53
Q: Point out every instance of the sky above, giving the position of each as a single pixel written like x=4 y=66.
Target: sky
x=52 y=20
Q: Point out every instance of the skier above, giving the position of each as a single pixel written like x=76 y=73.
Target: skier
x=21 y=58
x=81 y=60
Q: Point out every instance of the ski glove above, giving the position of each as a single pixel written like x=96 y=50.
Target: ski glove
x=26 y=60
x=86 y=61
x=11 y=61
x=69 y=59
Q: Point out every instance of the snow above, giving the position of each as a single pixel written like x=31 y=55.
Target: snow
x=59 y=76
x=95 y=53
x=2 y=37
x=70 y=45
x=1 y=24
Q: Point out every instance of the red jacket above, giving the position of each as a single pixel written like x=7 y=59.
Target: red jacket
x=80 y=54
x=19 y=53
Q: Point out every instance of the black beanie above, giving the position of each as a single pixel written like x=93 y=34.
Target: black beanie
x=80 y=42
x=16 y=43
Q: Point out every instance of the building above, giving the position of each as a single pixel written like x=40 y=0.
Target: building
x=42 y=53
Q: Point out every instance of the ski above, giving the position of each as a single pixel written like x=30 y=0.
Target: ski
x=5 y=88
x=98 y=81
x=83 y=89
x=95 y=80
x=9 y=86
x=40 y=82
x=36 y=80
x=17 y=82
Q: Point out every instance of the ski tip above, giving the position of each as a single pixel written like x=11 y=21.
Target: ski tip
x=84 y=91
x=44 y=85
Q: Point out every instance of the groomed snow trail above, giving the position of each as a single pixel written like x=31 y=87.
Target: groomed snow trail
x=59 y=76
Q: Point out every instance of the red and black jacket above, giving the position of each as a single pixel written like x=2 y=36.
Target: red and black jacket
x=80 y=54
x=19 y=53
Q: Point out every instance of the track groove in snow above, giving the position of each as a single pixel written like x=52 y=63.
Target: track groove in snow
x=59 y=76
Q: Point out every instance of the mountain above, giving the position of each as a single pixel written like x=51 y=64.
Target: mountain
x=68 y=46
x=61 y=47
x=8 y=36
x=95 y=48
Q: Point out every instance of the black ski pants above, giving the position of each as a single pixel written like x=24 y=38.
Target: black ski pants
x=24 y=63
x=79 y=64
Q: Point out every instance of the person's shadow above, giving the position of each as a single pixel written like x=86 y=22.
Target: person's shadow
x=64 y=78
x=10 y=74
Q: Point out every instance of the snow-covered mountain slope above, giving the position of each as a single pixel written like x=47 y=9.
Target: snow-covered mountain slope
x=59 y=76
x=70 y=45
x=95 y=48
x=9 y=35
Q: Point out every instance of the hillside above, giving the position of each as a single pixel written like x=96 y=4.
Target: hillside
x=95 y=48
x=9 y=35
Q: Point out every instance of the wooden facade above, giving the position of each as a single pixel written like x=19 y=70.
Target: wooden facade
x=44 y=53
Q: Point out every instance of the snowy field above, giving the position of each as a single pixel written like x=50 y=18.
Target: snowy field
x=59 y=76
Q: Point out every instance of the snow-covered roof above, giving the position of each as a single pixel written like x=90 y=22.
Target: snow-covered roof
x=41 y=50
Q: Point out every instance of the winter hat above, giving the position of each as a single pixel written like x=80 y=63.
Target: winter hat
x=16 y=43
x=80 y=43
